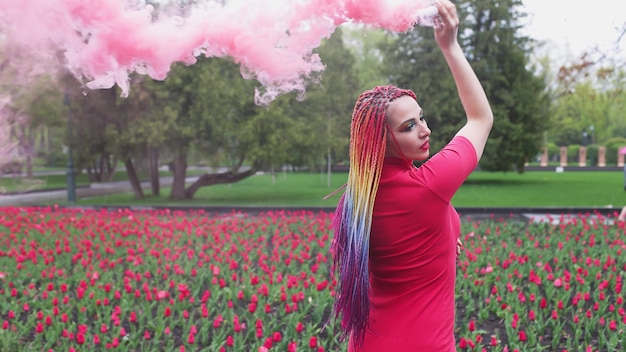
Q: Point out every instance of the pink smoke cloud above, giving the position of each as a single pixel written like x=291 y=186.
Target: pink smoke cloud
x=104 y=41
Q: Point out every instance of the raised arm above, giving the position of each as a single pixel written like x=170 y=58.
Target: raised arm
x=471 y=92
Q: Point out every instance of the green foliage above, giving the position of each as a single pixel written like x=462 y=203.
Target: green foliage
x=572 y=153
x=498 y=53
x=365 y=45
x=590 y=98
x=34 y=113
x=592 y=155
x=94 y=118
x=612 y=147
x=554 y=152
x=325 y=113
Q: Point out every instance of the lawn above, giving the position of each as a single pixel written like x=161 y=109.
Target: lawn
x=122 y=280
x=543 y=189
x=482 y=189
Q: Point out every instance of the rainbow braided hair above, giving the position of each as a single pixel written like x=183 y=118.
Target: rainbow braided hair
x=353 y=217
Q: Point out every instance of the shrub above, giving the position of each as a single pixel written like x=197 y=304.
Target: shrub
x=612 y=146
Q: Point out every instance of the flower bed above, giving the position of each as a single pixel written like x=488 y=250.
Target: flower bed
x=78 y=280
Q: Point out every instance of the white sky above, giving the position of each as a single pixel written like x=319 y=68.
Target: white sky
x=572 y=26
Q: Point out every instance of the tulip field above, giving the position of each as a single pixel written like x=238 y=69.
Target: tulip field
x=160 y=280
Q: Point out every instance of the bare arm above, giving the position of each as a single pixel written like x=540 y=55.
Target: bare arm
x=471 y=92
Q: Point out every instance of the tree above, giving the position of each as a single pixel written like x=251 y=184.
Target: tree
x=30 y=103
x=92 y=115
x=209 y=107
x=589 y=98
x=364 y=43
x=7 y=144
x=327 y=109
x=33 y=109
x=128 y=141
x=499 y=55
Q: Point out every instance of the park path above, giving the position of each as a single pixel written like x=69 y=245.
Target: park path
x=94 y=190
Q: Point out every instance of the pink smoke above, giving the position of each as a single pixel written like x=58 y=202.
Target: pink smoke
x=103 y=41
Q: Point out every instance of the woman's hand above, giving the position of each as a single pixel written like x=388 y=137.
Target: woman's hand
x=459 y=245
x=446 y=32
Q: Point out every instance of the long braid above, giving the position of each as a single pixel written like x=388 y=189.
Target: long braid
x=353 y=217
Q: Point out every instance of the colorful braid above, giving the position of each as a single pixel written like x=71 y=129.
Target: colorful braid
x=353 y=217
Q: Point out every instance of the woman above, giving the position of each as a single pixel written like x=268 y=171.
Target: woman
x=396 y=233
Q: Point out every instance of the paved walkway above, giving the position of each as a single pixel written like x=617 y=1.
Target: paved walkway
x=60 y=195
x=94 y=190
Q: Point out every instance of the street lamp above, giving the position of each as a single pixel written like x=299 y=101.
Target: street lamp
x=71 y=180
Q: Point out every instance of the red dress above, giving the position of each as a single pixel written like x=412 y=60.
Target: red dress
x=413 y=252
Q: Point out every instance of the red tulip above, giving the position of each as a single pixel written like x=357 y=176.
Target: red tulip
x=292 y=347
x=313 y=342
x=462 y=343
x=80 y=338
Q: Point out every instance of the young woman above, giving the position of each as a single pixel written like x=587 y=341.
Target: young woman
x=396 y=233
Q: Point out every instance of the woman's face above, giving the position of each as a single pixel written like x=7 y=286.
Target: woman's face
x=409 y=130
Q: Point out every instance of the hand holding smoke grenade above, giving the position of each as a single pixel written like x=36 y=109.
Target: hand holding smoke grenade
x=428 y=17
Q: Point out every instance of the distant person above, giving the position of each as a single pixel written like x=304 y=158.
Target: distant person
x=397 y=237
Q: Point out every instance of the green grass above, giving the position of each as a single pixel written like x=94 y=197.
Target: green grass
x=16 y=184
x=291 y=189
x=543 y=189
x=482 y=189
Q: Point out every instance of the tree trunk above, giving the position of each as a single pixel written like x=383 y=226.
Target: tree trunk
x=153 y=170
x=329 y=156
x=329 y=168
x=111 y=167
x=101 y=167
x=180 y=175
x=133 y=178
x=29 y=165
x=215 y=179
